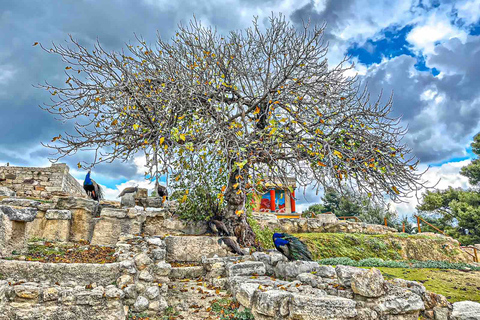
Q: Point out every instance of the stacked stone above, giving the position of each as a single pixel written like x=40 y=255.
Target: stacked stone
x=32 y=300
x=324 y=292
x=40 y=182
x=14 y=217
x=145 y=274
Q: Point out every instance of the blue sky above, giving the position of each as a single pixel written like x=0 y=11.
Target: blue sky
x=424 y=52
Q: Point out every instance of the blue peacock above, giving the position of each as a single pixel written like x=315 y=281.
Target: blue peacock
x=92 y=188
x=291 y=247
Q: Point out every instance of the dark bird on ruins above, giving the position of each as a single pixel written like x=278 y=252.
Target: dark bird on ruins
x=92 y=188
x=128 y=190
x=291 y=247
x=162 y=192
x=218 y=227
x=230 y=245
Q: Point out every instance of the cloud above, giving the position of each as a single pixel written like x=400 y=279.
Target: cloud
x=447 y=175
x=435 y=29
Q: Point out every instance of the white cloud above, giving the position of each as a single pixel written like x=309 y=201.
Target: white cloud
x=436 y=28
x=447 y=175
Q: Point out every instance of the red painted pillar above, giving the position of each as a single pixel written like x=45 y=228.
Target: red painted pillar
x=292 y=201
x=272 y=200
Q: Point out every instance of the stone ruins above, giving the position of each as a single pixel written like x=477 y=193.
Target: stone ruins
x=162 y=262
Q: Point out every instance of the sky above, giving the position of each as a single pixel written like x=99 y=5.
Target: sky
x=425 y=53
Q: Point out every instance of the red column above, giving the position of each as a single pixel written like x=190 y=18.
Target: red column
x=272 y=200
x=292 y=201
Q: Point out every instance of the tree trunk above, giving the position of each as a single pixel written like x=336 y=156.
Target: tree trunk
x=237 y=225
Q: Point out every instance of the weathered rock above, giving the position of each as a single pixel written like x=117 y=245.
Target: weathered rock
x=368 y=284
x=321 y=307
x=142 y=261
x=19 y=213
x=244 y=293
x=272 y=303
x=440 y=313
x=310 y=279
x=68 y=203
x=113 y=292
x=128 y=201
x=246 y=268
x=56 y=230
x=27 y=291
x=326 y=272
x=145 y=276
x=466 y=310
x=113 y=224
x=53 y=214
x=399 y=301
x=162 y=269
x=18 y=202
x=6 y=192
x=413 y=286
x=187 y=272
x=141 y=304
x=152 y=292
x=191 y=249
x=291 y=269
x=345 y=274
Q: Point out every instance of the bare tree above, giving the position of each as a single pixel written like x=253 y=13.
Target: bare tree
x=263 y=104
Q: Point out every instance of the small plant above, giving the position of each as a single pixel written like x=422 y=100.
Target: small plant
x=229 y=310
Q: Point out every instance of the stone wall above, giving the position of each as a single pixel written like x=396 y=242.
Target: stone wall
x=40 y=182
x=323 y=223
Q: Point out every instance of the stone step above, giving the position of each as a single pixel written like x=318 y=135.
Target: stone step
x=187 y=272
x=193 y=248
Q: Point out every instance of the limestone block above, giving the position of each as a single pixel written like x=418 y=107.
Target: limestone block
x=291 y=269
x=35 y=228
x=21 y=202
x=187 y=272
x=141 y=193
x=58 y=214
x=399 y=301
x=141 y=304
x=368 y=284
x=272 y=303
x=57 y=230
x=345 y=274
x=19 y=213
x=128 y=200
x=191 y=249
x=244 y=294
x=13 y=236
x=114 y=223
x=6 y=192
x=310 y=307
x=466 y=310
x=247 y=268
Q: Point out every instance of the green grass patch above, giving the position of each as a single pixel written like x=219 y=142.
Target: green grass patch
x=227 y=309
x=353 y=246
x=454 y=284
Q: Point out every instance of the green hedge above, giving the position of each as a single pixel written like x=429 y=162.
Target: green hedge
x=377 y=262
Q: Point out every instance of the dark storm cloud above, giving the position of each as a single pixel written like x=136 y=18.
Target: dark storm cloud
x=23 y=125
x=441 y=125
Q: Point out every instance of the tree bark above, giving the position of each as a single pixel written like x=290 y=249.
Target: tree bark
x=237 y=224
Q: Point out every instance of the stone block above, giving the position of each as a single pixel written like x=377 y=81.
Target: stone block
x=53 y=214
x=247 y=268
x=466 y=310
x=368 y=284
x=19 y=213
x=21 y=202
x=128 y=200
x=187 y=272
x=192 y=249
x=309 y=307
x=345 y=274
x=272 y=303
x=399 y=301
x=291 y=269
x=108 y=229
x=56 y=230
x=6 y=192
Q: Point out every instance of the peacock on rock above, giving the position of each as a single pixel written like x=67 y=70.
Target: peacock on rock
x=92 y=188
x=218 y=227
x=291 y=247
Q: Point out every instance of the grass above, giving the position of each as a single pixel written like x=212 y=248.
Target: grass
x=455 y=285
x=387 y=246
